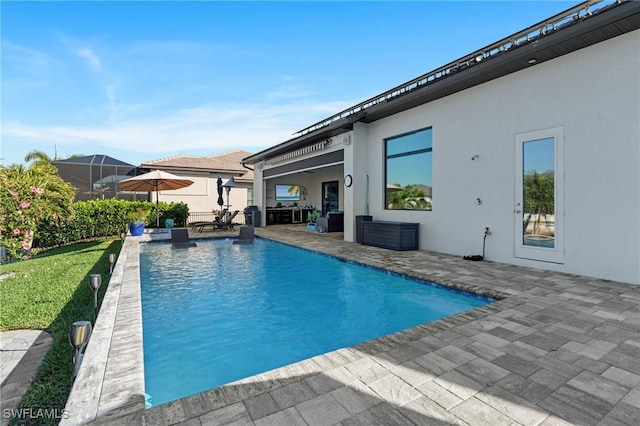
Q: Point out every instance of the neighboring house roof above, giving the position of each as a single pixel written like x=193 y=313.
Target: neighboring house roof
x=575 y=28
x=103 y=160
x=228 y=163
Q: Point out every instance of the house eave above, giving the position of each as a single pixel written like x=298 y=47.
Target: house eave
x=204 y=170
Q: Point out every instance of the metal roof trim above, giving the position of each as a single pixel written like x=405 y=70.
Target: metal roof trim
x=573 y=18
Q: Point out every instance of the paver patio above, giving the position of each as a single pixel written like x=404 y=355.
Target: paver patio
x=556 y=349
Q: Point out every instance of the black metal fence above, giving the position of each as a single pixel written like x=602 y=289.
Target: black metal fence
x=210 y=217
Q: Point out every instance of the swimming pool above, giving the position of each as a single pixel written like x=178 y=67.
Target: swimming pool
x=219 y=312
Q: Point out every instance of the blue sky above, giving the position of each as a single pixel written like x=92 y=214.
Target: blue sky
x=146 y=80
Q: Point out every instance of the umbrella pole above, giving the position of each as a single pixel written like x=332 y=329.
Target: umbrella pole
x=157 y=210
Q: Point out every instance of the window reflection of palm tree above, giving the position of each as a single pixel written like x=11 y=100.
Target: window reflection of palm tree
x=538 y=200
x=408 y=197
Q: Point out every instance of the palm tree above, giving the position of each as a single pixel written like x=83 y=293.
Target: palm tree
x=38 y=157
x=408 y=197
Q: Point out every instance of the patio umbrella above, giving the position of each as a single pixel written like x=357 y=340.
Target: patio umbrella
x=220 y=199
x=154 y=181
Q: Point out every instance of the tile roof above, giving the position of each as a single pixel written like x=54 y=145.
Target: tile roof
x=227 y=162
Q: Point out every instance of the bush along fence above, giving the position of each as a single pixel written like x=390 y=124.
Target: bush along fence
x=29 y=196
x=104 y=218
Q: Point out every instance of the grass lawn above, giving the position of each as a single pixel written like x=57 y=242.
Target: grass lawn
x=50 y=292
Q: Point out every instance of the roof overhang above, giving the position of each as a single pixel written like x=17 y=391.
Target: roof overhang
x=611 y=21
x=200 y=170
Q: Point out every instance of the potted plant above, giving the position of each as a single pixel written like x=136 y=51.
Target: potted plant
x=137 y=220
x=312 y=217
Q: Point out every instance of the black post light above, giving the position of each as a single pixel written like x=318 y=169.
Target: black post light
x=112 y=262
x=95 y=281
x=79 y=337
x=231 y=183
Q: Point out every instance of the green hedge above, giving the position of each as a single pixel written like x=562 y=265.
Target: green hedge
x=104 y=218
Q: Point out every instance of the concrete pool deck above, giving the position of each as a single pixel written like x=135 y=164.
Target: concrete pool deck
x=21 y=353
x=557 y=349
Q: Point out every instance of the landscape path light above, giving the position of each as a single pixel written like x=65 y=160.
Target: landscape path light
x=112 y=262
x=95 y=281
x=79 y=337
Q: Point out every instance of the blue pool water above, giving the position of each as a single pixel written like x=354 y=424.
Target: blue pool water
x=219 y=312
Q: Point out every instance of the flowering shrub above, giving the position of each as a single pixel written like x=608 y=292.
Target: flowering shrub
x=27 y=197
x=36 y=211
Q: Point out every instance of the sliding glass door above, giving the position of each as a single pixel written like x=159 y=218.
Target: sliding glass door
x=330 y=196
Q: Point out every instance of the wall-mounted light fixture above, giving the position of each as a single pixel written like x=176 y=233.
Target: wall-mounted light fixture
x=95 y=281
x=112 y=262
x=475 y=157
x=78 y=338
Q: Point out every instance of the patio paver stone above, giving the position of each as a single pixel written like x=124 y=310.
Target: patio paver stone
x=555 y=349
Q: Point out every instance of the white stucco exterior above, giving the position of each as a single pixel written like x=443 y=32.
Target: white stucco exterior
x=592 y=95
x=202 y=195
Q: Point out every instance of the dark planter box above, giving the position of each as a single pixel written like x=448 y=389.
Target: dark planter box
x=334 y=222
x=391 y=235
x=360 y=219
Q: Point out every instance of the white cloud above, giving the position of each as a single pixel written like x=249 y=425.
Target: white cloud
x=133 y=122
x=92 y=59
x=212 y=127
x=25 y=65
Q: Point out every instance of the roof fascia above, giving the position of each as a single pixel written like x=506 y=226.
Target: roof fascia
x=193 y=169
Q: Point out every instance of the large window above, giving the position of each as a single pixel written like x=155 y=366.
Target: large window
x=250 y=196
x=408 y=171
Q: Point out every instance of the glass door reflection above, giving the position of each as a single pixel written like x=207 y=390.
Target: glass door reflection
x=538 y=193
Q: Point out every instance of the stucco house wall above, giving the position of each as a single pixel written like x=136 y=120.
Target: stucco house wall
x=593 y=94
x=202 y=196
x=582 y=93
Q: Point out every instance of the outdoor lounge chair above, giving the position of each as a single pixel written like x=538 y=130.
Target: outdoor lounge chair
x=218 y=223
x=195 y=225
x=180 y=238
x=228 y=223
x=246 y=235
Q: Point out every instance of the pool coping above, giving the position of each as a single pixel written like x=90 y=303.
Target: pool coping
x=110 y=383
